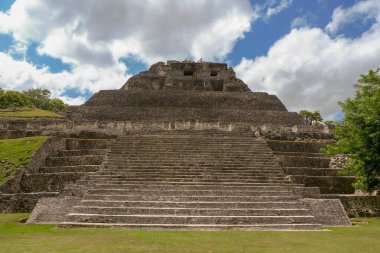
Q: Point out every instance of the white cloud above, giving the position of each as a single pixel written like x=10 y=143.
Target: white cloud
x=299 y=22
x=21 y=75
x=309 y=69
x=92 y=36
x=86 y=31
x=369 y=9
x=274 y=9
x=73 y=101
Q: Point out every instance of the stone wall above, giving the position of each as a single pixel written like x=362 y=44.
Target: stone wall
x=359 y=205
x=106 y=129
x=192 y=99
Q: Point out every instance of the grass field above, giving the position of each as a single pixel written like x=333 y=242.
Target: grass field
x=16 y=237
x=17 y=152
x=28 y=113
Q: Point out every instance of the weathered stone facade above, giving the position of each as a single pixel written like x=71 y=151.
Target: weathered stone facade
x=175 y=75
x=187 y=131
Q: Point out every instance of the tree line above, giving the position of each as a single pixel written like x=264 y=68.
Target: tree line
x=39 y=98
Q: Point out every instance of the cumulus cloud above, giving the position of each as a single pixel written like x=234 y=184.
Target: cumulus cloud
x=93 y=36
x=310 y=69
x=369 y=9
x=21 y=75
x=87 y=31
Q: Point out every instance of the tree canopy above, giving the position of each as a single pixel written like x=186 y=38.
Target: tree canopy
x=311 y=115
x=358 y=134
x=39 y=98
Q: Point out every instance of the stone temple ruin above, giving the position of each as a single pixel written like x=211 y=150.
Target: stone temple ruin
x=183 y=145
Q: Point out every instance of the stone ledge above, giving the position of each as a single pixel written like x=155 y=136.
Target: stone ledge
x=358 y=205
x=328 y=212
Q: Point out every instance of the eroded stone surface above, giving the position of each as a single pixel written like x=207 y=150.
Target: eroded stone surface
x=175 y=75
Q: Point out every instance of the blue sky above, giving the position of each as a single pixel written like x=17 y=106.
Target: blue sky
x=309 y=53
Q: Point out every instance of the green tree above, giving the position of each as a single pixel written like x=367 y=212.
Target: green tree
x=57 y=105
x=311 y=115
x=39 y=97
x=9 y=98
x=358 y=134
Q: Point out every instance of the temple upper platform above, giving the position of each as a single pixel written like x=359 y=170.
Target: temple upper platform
x=187 y=75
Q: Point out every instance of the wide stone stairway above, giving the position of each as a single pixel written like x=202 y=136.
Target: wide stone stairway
x=191 y=181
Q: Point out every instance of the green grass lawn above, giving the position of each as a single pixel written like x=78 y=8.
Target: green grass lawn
x=28 y=113
x=16 y=237
x=17 y=152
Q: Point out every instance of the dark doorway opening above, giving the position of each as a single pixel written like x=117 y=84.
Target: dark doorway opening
x=213 y=73
x=188 y=73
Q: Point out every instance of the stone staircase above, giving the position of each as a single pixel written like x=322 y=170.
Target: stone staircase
x=78 y=158
x=304 y=163
x=191 y=181
x=70 y=160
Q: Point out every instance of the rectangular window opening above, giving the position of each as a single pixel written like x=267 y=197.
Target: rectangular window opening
x=213 y=73
x=188 y=73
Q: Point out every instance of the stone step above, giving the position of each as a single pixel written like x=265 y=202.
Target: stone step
x=311 y=171
x=340 y=184
x=136 y=169
x=299 y=161
x=74 y=160
x=135 y=197
x=192 y=170
x=191 y=146
x=186 y=180
x=189 y=142
x=117 y=191
x=307 y=154
x=187 y=167
x=265 y=227
x=160 y=173
x=219 y=141
x=193 y=204
x=191 y=211
x=148 y=156
x=189 y=219
x=82 y=152
x=75 y=144
x=182 y=184
x=161 y=151
x=176 y=188
x=195 y=149
x=296 y=146
x=207 y=176
x=77 y=168
x=165 y=160
x=190 y=163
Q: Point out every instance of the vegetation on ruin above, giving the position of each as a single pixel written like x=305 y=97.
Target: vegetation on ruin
x=16 y=237
x=39 y=98
x=311 y=115
x=358 y=134
x=27 y=112
x=15 y=153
